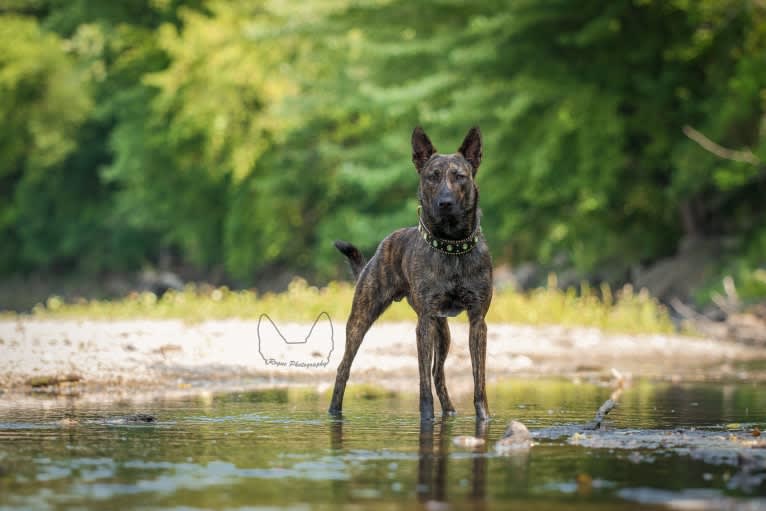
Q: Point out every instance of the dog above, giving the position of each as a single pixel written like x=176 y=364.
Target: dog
x=442 y=266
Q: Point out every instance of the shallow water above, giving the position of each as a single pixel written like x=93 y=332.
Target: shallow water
x=678 y=446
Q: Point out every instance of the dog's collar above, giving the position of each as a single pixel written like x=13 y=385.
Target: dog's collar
x=451 y=247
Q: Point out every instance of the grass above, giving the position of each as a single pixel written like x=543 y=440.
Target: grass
x=623 y=311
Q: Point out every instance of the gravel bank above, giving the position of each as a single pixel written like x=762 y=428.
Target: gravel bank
x=123 y=359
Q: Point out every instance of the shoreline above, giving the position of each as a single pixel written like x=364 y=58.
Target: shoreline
x=149 y=359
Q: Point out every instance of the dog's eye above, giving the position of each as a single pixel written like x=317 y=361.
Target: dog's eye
x=460 y=177
x=433 y=176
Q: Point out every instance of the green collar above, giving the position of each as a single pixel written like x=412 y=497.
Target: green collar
x=451 y=247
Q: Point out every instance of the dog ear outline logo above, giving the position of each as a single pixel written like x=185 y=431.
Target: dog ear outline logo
x=305 y=341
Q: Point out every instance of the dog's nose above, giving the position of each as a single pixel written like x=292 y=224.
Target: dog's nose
x=445 y=202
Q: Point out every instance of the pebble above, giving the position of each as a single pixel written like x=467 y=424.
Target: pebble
x=516 y=437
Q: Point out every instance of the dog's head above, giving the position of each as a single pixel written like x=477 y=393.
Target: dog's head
x=447 y=188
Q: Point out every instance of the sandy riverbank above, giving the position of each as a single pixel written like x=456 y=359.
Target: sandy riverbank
x=127 y=359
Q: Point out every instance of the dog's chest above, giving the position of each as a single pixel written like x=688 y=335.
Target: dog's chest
x=451 y=288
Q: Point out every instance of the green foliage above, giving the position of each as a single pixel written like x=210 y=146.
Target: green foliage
x=43 y=101
x=625 y=312
x=583 y=108
x=246 y=136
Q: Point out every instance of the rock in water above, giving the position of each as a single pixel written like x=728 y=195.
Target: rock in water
x=140 y=418
x=136 y=418
x=518 y=431
x=516 y=437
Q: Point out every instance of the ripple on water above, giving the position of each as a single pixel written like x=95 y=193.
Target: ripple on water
x=230 y=453
x=195 y=476
x=696 y=499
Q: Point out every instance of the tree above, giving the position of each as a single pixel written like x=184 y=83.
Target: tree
x=583 y=106
x=43 y=102
x=247 y=136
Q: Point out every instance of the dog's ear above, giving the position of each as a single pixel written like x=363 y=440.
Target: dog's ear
x=422 y=148
x=471 y=148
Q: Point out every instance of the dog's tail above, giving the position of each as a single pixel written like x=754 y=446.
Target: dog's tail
x=355 y=257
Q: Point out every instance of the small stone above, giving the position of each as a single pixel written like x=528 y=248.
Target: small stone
x=516 y=437
x=517 y=430
x=436 y=505
x=469 y=442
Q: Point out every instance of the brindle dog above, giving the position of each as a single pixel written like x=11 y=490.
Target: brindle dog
x=442 y=267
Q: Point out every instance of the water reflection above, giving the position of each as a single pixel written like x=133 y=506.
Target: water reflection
x=279 y=449
x=432 y=461
x=336 y=434
x=479 y=476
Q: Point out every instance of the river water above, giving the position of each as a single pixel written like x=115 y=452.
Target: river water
x=666 y=446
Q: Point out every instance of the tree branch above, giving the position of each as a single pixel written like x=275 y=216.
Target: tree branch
x=744 y=156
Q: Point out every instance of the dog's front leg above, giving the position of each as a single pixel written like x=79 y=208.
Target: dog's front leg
x=441 y=348
x=477 y=344
x=425 y=337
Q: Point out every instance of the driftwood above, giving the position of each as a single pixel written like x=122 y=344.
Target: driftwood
x=53 y=380
x=607 y=407
x=741 y=323
x=609 y=404
x=518 y=439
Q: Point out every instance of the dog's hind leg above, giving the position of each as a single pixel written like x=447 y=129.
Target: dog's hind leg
x=441 y=348
x=371 y=297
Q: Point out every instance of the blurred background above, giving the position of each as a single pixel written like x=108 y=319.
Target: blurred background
x=168 y=141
